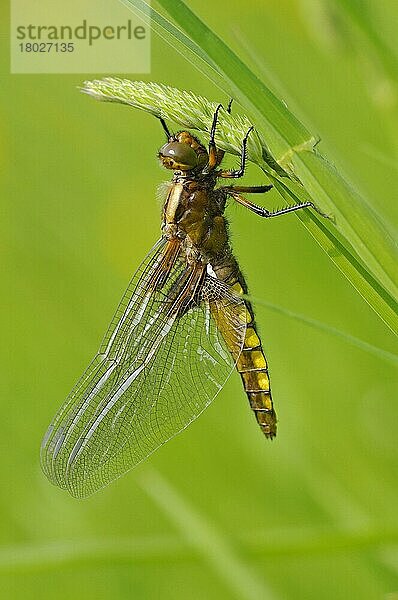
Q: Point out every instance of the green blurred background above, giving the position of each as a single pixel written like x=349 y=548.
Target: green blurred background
x=218 y=512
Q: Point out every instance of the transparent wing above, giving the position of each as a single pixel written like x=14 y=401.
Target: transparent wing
x=167 y=353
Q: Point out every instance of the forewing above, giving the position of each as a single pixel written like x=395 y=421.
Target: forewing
x=162 y=368
x=108 y=366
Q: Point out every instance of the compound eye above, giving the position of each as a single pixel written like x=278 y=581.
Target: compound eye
x=182 y=155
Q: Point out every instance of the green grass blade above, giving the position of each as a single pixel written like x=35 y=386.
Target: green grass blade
x=382 y=302
x=360 y=15
x=329 y=329
x=370 y=255
x=209 y=541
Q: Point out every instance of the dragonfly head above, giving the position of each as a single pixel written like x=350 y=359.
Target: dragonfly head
x=183 y=152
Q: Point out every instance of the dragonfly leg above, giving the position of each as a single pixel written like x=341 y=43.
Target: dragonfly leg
x=165 y=128
x=213 y=152
x=221 y=153
x=262 y=212
x=246 y=189
x=235 y=174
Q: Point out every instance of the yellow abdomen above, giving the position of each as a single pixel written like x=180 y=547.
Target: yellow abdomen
x=253 y=369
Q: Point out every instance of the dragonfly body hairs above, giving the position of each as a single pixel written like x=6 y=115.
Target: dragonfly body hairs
x=179 y=331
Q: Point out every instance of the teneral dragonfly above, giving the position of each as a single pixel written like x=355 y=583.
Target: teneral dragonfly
x=181 y=328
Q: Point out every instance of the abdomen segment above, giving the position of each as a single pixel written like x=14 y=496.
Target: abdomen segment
x=253 y=369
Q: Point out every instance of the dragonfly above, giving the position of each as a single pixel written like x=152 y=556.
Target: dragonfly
x=182 y=327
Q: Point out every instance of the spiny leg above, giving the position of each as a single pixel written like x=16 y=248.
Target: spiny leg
x=221 y=153
x=236 y=190
x=262 y=212
x=235 y=174
x=165 y=128
x=246 y=189
x=213 y=153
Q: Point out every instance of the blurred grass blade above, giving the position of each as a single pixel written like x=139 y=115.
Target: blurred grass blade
x=352 y=268
x=69 y=553
x=319 y=325
x=366 y=253
x=175 y=37
x=360 y=16
x=209 y=541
